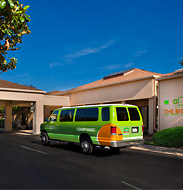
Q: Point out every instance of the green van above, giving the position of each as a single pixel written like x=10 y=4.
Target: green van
x=112 y=125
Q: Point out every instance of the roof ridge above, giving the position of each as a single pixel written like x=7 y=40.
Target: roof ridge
x=145 y=71
x=16 y=84
x=137 y=74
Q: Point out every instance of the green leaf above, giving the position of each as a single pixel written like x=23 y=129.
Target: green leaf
x=11 y=3
x=19 y=12
x=3 y=4
x=22 y=19
x=3 y=31
x=14 y=24
x=8 y=31
x=26 y=7
x=27 y=15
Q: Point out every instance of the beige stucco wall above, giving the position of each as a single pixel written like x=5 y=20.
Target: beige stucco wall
x=135 y=90
x=169 y=90
x=28 y=96
x=143 y=89
x=9 y=98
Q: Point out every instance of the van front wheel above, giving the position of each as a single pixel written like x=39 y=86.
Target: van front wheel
x=87 y=145
x=44 y=139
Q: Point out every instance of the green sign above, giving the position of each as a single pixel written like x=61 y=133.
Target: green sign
x=166 y=102
x=178 y=102
x=126 y=130
x=177 y=108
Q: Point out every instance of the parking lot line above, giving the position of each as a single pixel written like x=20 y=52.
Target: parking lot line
x=33 y=150
x=130 y=185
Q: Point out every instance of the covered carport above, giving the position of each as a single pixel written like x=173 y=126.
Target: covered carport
x=12 y=94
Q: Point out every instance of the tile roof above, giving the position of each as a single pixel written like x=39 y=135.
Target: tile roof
x=133 y=74
x=55 y=93
x=7 y=84
x=176 y=74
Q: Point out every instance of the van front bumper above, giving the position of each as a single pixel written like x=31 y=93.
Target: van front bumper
x=126 y=143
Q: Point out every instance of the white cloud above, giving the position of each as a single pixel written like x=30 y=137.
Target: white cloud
x=82 y=52
x=23 y=75
x=70 y=58
x=111 y=67
x=55 y=64
x=139 y=53
x=86 y=51
x=129 y=64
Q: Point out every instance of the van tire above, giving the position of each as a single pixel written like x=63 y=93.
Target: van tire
x=44 y=139
x=87 y=145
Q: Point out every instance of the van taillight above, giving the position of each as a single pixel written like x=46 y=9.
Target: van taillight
x=142 y=128
x=113 y=130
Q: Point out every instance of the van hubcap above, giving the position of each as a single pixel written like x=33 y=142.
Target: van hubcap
x=43 y=138
x=85 y=146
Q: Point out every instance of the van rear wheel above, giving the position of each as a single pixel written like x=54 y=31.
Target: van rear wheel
x=44 y=139
x=87 y=145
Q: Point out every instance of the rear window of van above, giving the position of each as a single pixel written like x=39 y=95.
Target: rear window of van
x=87 y=114
x=134 y=114
x=122 y=114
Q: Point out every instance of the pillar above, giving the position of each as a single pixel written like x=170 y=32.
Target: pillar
x=38 y=115
x=8 y=118
x=152 y=115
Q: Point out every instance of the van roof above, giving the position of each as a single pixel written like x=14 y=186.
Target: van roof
x=100 y=105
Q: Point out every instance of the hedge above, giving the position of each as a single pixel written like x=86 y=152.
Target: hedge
x=171 y=137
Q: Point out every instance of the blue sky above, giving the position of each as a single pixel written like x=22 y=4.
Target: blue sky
x=74 y=42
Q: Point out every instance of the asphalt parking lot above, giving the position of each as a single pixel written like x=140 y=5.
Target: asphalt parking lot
x=26 y=164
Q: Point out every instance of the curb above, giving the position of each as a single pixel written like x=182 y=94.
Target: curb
x=165 y=151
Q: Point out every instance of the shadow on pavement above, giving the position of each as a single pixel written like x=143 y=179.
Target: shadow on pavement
x=75 y=147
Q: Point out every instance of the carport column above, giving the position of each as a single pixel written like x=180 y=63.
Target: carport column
x=37 y=117
x=152 y=115
x=8 y=118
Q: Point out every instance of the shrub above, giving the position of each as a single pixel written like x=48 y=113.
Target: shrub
x=171 y=137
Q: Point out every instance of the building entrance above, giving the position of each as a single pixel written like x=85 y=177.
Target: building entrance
x=145 y=114
x=2 y=125
x=144 y=109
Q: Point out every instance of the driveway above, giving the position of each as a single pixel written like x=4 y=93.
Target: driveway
x=26 y=164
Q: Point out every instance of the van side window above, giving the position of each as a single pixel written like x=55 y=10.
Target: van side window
x=122 y=114
x=54 y=115
x=105 y=114
x=134 y=114
x=87 y=114
x=67 y=115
